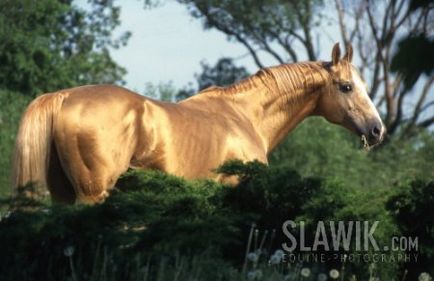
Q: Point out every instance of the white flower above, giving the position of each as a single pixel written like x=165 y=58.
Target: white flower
x=251 y=275
x=424 y=277
x=68 y=251
x=275 y=259
x=322 y=277
x=254 y=275
x=305 y=272
x=5 y=216
x=279 y=253
x=253 y=257
x=334 y=274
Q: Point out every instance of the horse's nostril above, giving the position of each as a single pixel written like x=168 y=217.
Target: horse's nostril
x=375 y=132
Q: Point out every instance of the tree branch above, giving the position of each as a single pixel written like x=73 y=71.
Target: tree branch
x=425 y=107
x=390 y=114
x=269 y=49
x=340 y=12
x=426 y=123
x=285 y=45
x=398 y=117
x=305 y=26
x=357 y=17
x=240 y=39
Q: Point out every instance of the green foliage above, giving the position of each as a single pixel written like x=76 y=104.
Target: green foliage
x=412 y=209
x=152 y=219
x=158 y=214
x=179 y=213
x=223 y=73
x=12 y=105
x=410 y=63
x=162 y=91
x=318 y=148
x=275 y=194
x=48 y=45
x=415 y=52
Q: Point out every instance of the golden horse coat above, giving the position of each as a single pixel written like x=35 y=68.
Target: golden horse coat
x=78 y=141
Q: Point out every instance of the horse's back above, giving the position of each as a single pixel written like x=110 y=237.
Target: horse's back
x=91 y=96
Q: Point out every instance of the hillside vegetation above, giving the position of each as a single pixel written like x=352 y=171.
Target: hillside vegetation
x=159 y=226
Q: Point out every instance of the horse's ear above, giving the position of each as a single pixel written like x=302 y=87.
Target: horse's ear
x=349 y=55
x=336 y=54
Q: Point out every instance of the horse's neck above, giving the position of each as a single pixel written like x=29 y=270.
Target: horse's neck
x=290 y=99
x=276 y=99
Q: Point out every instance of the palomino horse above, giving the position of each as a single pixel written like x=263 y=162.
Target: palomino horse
x=78 y=141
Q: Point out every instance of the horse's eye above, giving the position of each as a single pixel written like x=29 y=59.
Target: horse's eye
x=345 y=88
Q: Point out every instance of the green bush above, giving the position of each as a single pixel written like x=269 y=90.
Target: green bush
x=12 y=106
x=152 y=220
x=318 y=148
x=412 y=210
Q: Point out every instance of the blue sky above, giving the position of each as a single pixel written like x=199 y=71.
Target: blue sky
x=167 y=44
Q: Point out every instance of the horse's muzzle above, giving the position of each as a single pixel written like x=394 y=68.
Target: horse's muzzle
x=375 y=132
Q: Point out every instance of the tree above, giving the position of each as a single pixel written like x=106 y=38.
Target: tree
x=164 y=91
x=223 y=73
x=262 y=25
x=412 y=201
x=280 y=28
x=47 y=45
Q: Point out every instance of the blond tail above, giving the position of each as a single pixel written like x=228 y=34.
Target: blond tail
x=33 y=142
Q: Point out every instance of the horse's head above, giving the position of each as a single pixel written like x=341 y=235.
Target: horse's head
x=346 y=102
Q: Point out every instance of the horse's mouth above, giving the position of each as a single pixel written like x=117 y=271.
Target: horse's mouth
x=365 y=143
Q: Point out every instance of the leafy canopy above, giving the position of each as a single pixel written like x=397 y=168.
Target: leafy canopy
x=48 y=45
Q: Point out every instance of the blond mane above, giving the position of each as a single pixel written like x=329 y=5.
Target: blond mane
x=293 y=79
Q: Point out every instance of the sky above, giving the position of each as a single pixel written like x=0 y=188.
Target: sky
x=167 y=44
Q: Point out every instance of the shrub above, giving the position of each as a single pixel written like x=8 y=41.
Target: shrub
x=412 y=210
x=156 y=218
x=12 y=105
